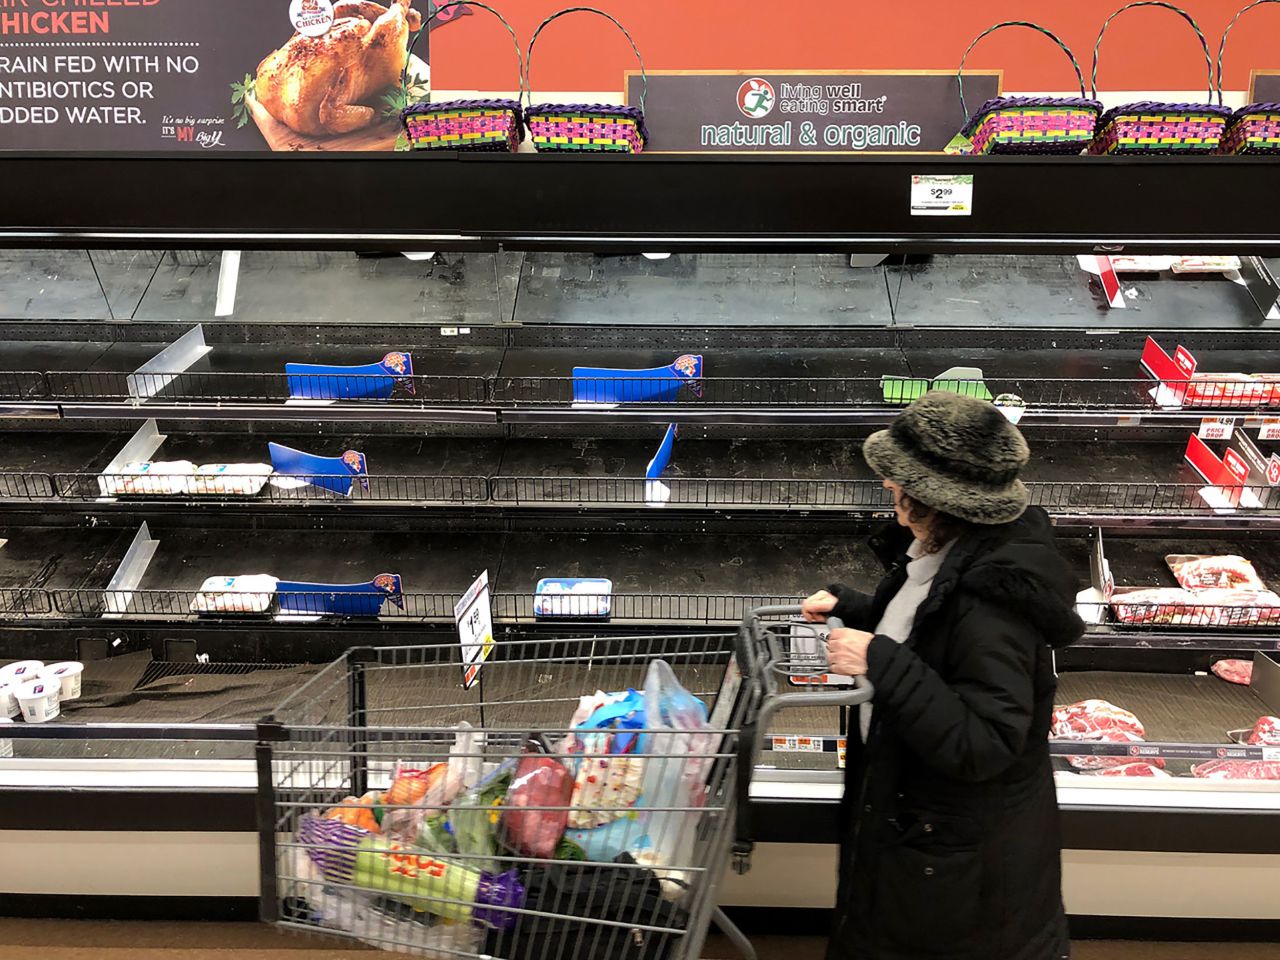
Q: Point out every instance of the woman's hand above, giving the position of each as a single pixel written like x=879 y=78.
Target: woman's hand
x=816 y=607
x=847 y=651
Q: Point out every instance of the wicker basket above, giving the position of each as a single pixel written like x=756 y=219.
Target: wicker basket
x=1029 y=124
x=1254 y=128
x=492 y=125
x=583 y=127
x=1150 y=127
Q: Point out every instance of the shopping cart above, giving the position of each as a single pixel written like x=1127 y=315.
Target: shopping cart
x=403 y=810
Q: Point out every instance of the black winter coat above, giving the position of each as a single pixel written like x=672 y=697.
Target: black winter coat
x=951 y=847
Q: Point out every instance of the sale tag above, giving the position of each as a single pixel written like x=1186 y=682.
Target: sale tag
x=942 y=196
x=1216 y=428
x=797 y=744
x=1236 y=465
x=475 y=628
x=1269 y=429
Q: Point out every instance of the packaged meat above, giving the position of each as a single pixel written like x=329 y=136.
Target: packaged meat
x=1099 y=721
x=1264 y=733
x=1173 y=606
x=231 y=479
x=536 y=809
x=1237 y=770
x=1226 y=390
x=1207 y=572
x=1234 y=671
x=1132 y=768
x=1095 y=720
x=247 y=593
x=149 y=478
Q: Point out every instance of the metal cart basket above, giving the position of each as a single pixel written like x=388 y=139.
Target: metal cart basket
x=399 y=808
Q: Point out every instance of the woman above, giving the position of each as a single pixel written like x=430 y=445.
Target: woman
x=951 y=843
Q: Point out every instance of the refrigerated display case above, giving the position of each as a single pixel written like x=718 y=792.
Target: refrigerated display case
x=486 y=457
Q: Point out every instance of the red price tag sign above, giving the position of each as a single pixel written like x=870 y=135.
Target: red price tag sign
x=1235 y=463
x=1185 y=361
x=1273 y=469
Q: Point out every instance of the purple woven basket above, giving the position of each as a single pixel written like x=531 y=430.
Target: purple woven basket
x=1150 y=127
x=1254 y=129
x=1027 y=125
x=586 y=127
x=495 y=125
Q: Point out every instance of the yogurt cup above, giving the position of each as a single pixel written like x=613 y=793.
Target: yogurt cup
x=6 y=745
x=39 y=700
x=8 y=701
x=16 y=674
x=67 y=674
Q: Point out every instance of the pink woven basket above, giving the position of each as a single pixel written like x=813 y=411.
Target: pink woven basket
x=1150 y=127
x=586 y=127
x=494 y=125
x=1253 y=129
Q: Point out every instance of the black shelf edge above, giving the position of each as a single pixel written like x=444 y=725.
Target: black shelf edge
x=529 y=202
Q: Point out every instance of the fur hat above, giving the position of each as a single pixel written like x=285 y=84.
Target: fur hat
x=956 y=454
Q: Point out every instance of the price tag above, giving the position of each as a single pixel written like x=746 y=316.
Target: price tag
x=1216 y=428
x=1271 y=753
x=1269 y=428
x=840 y=753
x=942 y=196
x=797 y=744
x=475 y=628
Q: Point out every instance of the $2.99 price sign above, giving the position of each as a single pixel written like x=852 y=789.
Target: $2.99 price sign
x=475 y=628
x=942 y=196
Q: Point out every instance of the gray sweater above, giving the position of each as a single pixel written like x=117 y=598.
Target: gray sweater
x=900 y=615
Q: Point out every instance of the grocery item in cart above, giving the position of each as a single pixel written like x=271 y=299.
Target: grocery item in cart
x=473 y=819
x=348 y=854
x=416 y=795
x=608 y=774
x=1264 y=733
x=359 y=812
x=1198 y=572
x=536 y=808
x=1238 y=770
x=1098 y=721
x=1234 y=671
x=592 y=911
x=245 y=593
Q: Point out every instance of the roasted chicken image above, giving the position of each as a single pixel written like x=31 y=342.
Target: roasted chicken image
x=322 y=86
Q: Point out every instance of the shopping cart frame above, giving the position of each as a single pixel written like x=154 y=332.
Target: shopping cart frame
x=758 y=652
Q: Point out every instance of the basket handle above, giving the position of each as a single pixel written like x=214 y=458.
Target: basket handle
x=1015 y=23
x=528 y=59
x=426 y=28
x=1204 y=44
x=1222 y=47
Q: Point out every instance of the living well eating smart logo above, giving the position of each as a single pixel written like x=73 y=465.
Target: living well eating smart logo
x=756 y=98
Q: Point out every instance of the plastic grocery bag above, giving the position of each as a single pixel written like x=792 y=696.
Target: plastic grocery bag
x=680 y=751
x=542 y=782
x=474 y=816
x=417 y=794
x=608 y=775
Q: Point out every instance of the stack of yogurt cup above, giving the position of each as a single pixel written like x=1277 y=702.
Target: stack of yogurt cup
x=37 y=691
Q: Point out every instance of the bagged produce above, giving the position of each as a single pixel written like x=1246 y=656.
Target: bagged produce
x=416 y=794
x=447 y=888
x=473 y=818
x=363 y=812
x=310 y=897
x=542 y=782
x=1197 y=572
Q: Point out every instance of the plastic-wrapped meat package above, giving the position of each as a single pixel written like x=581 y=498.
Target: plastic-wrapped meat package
x=1099 y=721
x=1126 y=768
x=1159 y=606
x=1234 y=671
x=1264 y=733
x=1208 y=572
x=1226 y=390
x=231 y=479
x=541 y=782
x=247 y=593
x=148 y=477
x=1237 y=770
x=1241 y=608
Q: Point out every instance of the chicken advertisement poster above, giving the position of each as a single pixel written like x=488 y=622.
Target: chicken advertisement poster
x=211 y=75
